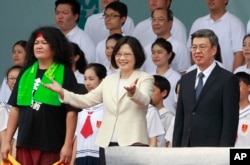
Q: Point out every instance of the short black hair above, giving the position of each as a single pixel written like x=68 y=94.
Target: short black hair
x=12 y=68
x=75 y=6
x=99 y=69
x=243 y=77
x=163 y=43
x=115 y=37
x=163 y=84
x=120 y=7
x=136 y=47
x=170 y=15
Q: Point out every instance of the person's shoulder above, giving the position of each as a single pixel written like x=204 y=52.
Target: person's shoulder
x=232 y=17
x=202 y=18
x=94 y=17
x=142 y=23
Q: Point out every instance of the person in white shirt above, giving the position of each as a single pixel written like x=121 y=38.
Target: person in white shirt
x=162 y=21
x=160 y=92
x=96 y=28
x=246 y=54
x=248 y=26
x=110 y=44
x=115 y=15
x=162 y=56
x=67 y=14
x=243 y=133
x=18 y=58
x=85 y=149
x=154 y=126
x=229 y=29
x=79 y=63
x=144 y=32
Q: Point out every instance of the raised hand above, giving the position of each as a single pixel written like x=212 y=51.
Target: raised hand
x=131 y=88
x=54 y=86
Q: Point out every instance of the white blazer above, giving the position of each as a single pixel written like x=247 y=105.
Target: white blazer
x=125 y=115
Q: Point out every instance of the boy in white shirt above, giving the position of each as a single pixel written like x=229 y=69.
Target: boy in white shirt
x=160 y=92
x=243 y=134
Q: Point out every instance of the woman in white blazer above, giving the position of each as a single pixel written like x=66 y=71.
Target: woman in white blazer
x=125 y=96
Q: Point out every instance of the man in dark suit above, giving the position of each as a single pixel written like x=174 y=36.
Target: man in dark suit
x=208 y=104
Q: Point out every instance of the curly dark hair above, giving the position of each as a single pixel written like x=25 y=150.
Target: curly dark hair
x=57 y=42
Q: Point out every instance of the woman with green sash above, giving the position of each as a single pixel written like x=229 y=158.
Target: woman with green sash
x=46 y=126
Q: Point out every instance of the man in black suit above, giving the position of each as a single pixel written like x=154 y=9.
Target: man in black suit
x=208 y=104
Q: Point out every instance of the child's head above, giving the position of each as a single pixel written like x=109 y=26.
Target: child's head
x=244 y=83
x=162 y=52
x=94 y=73
x=18 y=52
x=110 y=44
x=11 y=75
x=79 y=60
x=246 y=47
x=161 y=89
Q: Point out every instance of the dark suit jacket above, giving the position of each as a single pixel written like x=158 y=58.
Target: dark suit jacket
x=213 y=119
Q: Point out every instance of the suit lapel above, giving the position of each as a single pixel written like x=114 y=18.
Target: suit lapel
x=209 y=82
x=191 y=89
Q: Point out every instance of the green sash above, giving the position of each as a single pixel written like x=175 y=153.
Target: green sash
x=42 y=94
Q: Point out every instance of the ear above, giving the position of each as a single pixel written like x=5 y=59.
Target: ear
x=123 y=20
x=76 y=16
x=248 y=88
x=164 y=93
x=76 y=58
x=214 y=50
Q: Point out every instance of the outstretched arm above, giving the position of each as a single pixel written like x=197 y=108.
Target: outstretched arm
x=56 y=87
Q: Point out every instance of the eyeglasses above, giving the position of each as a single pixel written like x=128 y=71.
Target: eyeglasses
x=200 y=47
x=125 y=55
x=160 y=19
x=105 y=16
x=11 y=78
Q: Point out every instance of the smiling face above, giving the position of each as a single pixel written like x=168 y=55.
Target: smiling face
x=125 y=58
x=202 y=52
x=160 y=23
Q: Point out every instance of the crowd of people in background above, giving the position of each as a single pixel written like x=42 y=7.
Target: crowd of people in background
x=72 y=92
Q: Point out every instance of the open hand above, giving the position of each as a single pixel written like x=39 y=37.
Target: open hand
x=55 y=86
x=131 y=88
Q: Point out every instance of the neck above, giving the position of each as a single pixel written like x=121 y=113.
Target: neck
x=74 y=68
x=44 y=64
x=215 y=15
x=244 y=104
x=66 y=31
x=114 y=31
x=162 y=69
x=165 y=36
x=159 y=106
x=126 y=74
